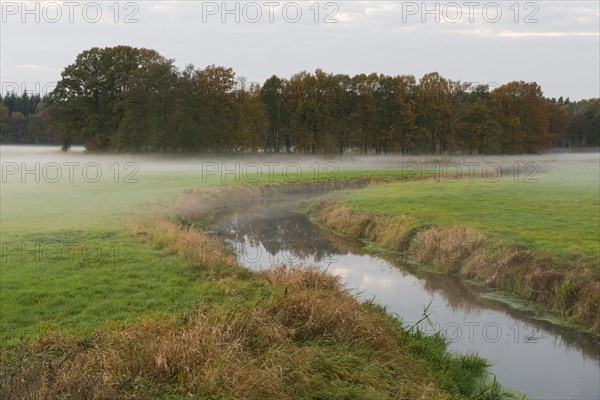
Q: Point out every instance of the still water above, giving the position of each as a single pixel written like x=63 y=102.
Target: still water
x=531 y=356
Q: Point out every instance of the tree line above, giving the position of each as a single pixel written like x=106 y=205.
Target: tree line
x=129 y=99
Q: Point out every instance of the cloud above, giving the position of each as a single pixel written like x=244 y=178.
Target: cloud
x=370 y=36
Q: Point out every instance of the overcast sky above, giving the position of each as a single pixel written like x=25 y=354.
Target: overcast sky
x=555 y=43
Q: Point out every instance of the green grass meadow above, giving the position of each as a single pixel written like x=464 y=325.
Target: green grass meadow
x=69 y=265
x=67 y=260
x=560 y=213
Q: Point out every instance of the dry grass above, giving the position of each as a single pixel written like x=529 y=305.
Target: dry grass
x=394 y=232
x=198 y=250
x=296 y=279
x=309 y=338
x=573 y=292
x=446 y=247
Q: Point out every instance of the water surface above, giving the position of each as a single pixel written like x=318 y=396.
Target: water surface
x=535 y=357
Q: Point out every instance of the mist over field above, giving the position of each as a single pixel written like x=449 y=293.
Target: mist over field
x=205 y=164
x=72 y=223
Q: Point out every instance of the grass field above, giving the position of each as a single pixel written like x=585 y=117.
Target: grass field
x=559 y=213
x=153 y=318
x=64 y=281
x=68 y=261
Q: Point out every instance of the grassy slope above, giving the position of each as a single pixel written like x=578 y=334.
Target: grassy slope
x=247 y=343
x=62 y=282
x=538 y=240
x=557 y=214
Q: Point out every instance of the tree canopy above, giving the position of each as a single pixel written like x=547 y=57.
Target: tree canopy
x=134 y=99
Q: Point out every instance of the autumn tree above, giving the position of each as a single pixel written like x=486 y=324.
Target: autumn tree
x=147 y=106
x=90 y=89
x=583 y=126
x=128 y=99
x=252 y=119
x=524 y=117
x=479 y=131
x=341 y=109
x=404 y=127
x=216 y=107
x=558 y=114
x=297 y=103
x=434 y=110
x=272 y=97
x=364 y=110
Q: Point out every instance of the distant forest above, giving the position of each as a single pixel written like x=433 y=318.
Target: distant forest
x=135 y=100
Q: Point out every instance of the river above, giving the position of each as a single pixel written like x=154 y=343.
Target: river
x=535 y=357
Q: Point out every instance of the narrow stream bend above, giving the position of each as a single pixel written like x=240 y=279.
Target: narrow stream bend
x=535 y=357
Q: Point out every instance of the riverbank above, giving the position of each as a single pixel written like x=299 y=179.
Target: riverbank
x=536 y=264
x=423 y=221
x=281 y=333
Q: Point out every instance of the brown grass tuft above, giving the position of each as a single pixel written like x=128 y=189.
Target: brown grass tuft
x=302 y=279
x=197 y=249
x=447 y=247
